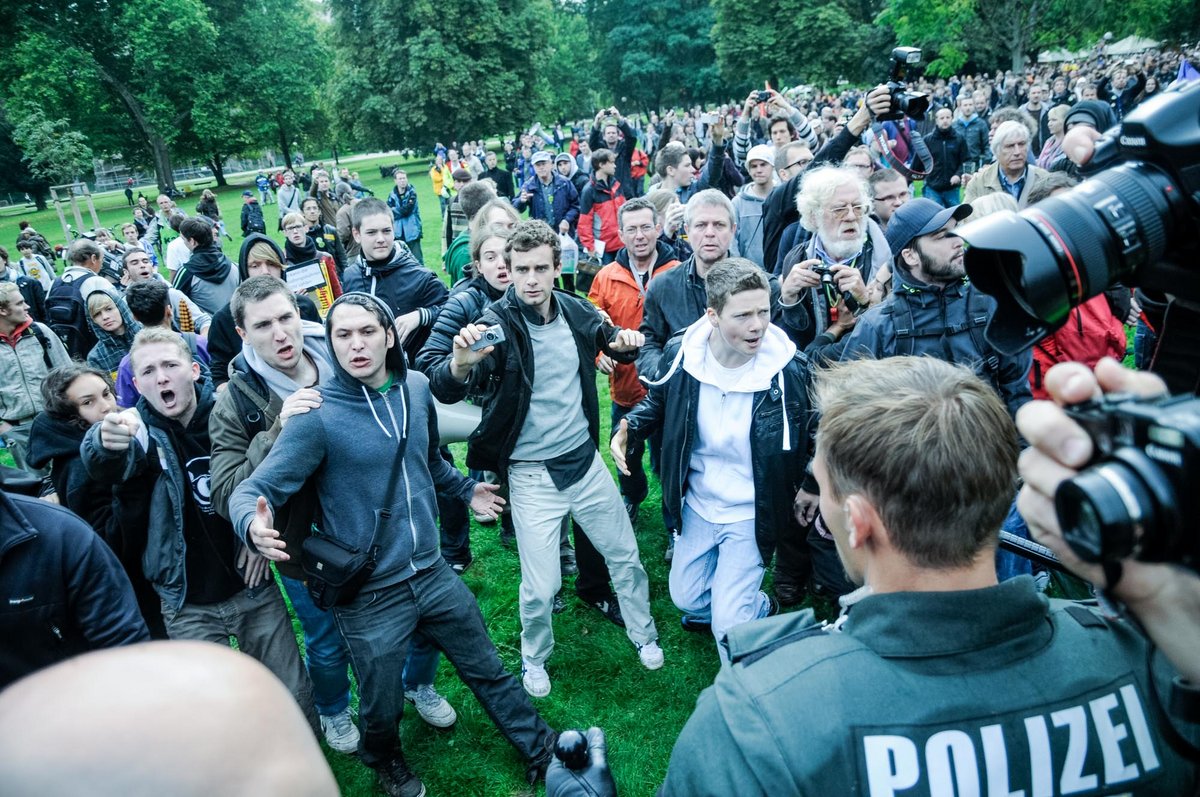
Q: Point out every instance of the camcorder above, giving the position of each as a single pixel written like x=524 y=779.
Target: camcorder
x=1134 y=222
x=913 y=104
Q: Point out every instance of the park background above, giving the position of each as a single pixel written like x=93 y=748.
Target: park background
x=158 y=85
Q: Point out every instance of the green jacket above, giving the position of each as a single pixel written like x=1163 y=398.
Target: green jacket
x=998 y=688
x=458 y=257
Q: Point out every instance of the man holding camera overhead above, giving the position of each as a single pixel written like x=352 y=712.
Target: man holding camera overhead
x=611 y=131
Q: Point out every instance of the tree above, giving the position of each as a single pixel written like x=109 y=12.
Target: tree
x=122 y=71
x=52 y=150
x=657 y=52
x=450 y=69
x=15 y=174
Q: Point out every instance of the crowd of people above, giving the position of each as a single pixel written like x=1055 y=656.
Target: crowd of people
x=792 y=347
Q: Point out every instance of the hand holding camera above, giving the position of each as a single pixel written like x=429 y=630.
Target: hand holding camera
x=472 y=344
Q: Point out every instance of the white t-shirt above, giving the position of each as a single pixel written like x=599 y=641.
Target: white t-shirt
x=720 y=474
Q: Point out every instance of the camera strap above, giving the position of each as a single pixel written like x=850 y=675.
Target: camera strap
x=905 y=171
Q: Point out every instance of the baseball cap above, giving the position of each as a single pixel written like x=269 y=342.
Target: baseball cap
x=761 y=152
x=919 y=217
x=247 y=193
x=563 y=156
x=541 y=156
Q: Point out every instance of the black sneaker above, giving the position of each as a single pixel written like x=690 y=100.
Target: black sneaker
x=631 y=509
x=398 y=781
x=560 y=605
x=789 y=594
x=535 y=770
x=772 y=606
x=508 y=537
x=697 y=625
x=460 y=567
x=610 y=609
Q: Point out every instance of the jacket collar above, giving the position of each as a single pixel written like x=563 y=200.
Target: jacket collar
x=15 y=528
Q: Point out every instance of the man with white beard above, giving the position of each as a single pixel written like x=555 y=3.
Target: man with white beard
x=843 y=254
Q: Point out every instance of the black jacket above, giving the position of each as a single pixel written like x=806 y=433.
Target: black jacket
x=63 y=591
x=466 y=303
x=502 y=179
x=949 y=152
x=56 y=443
x=506 y=375
x=778 y=473
x=624 y=152
x=404 y=285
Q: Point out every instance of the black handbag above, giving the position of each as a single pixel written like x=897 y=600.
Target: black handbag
x=335 y=572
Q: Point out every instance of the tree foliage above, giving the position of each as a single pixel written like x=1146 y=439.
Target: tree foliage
x=53 y=151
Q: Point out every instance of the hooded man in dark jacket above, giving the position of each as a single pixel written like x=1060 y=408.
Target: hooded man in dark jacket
x=949 y=151
x=411 y=291
x=67 y=593
x=212 y=586
x=208 y=277
x=390 y=412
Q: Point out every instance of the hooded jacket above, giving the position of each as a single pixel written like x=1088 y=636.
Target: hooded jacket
x=949 y=152
x=624 y=151
x=65 y=591
x=780 y=442
x=947 y=322
x=109 y=349
x=748 y=241
x=506 y=375
x=241 y=442
x=351 y=479
x=406 y=216
x=153 y=485
x=404 y=285
x=598 y=208
x=55 y=442
x=617 y=292
x=23 y=367
x=224 y=343
x=467 y=302
x=207 y=278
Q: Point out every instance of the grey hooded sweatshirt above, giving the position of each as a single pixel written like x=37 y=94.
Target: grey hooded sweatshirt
x=350 y=444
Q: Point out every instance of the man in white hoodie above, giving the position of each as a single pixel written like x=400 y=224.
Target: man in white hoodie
x=734 y=403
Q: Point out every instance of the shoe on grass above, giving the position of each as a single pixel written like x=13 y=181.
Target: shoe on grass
x=610 y=609
x=669 y=554
x=397 y=780
x=433 y=708
x=566 y=558
x=534 y=678
x=697 y=625
x=560 y=605
x=339 y=731
x=651 y=655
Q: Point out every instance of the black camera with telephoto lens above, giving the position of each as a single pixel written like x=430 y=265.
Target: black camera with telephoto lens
x=913 y=104
x=1136 y=498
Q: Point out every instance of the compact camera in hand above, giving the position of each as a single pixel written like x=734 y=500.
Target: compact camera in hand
x=488 y=337
x=1139 y=495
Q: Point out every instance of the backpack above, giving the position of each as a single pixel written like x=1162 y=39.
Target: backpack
x=36 y=329
x=978 y=314
x=255 y=222
x=66 y=315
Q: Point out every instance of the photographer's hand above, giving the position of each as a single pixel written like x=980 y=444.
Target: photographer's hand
x=462 y=358
x=799 y=278
x=1165 y=598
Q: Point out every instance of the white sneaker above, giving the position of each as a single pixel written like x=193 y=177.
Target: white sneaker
x=651 y=655
x=340 y=732
x=433 y=708
x=535 y=678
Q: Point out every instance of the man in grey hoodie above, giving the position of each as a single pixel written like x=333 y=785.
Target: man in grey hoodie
x=412 y=588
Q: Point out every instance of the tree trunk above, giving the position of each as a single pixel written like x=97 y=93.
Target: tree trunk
x=158 y=145
x=162 y=163
x=39 y=199
x=284 y=146
x=217 y=167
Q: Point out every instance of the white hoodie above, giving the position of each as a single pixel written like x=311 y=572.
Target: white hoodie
x=720 y=474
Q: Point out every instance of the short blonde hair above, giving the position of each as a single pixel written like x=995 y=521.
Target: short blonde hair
x=7 y=291
x=96 y=301
x=150 y=336
x=989 y=204
x=264 y=251
x=294 y=218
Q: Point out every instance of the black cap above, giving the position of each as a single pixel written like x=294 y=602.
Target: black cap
x=919 y=217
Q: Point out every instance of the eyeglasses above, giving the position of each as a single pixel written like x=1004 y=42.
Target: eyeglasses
x=645 y=229
x=802 y=163
x=845 y=211
x=294 y=227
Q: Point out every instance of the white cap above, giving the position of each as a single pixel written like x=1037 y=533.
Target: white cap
x=761 y=152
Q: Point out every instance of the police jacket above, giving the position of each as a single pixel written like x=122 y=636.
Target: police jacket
x=942 y=321
x=62 y=590
x=779 y=434
x=506 y=375
x=989 y=691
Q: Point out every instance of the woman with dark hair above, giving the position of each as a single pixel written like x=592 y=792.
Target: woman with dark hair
x=77 y=396
x=207 y=206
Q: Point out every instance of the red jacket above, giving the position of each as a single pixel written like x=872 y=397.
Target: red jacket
x=1091 y=332
x=616 y=291
x=598 y=206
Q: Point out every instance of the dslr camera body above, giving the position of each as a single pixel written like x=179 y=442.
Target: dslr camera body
x=1139 y=496
x=913 y=104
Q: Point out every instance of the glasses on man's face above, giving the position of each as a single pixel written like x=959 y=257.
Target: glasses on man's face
x=294 y=227
x=845 y=211
x=800 y=164
x=645 y=229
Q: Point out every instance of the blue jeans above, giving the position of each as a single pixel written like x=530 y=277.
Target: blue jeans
x=327 y=657
x=378 y=627
x=1144 y=343
x=946 y=199
x=716 y=574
